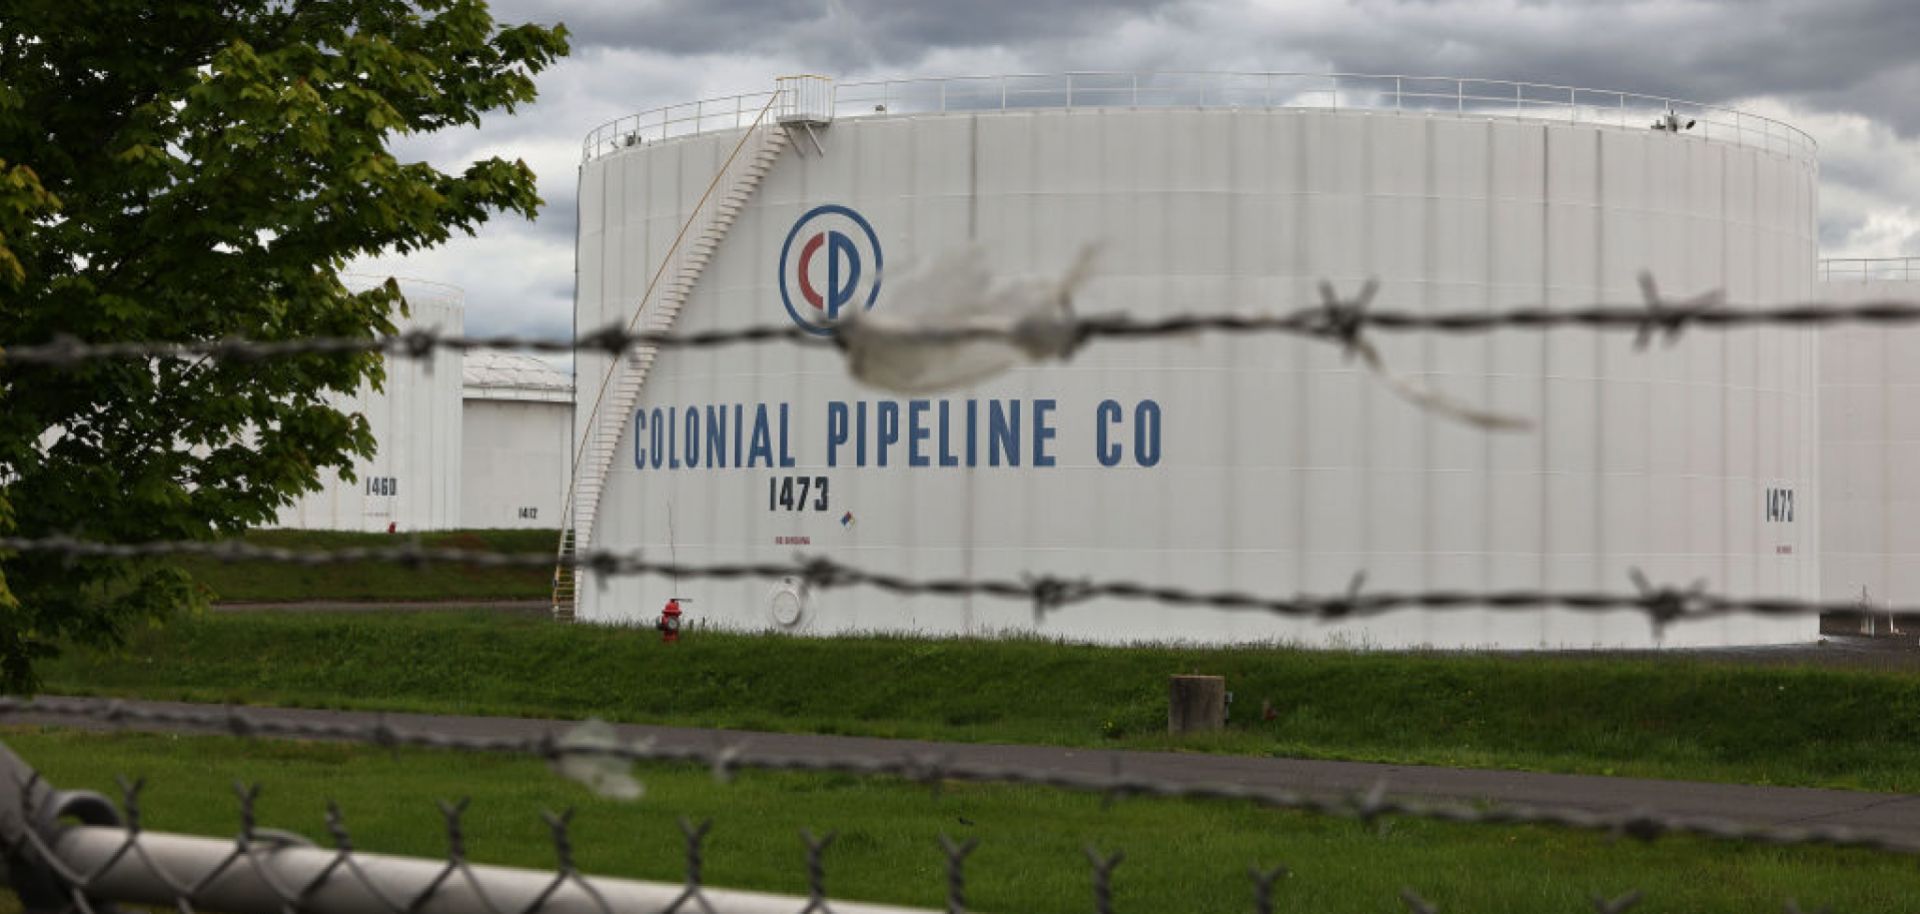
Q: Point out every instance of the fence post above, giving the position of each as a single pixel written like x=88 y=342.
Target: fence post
x=1196 y=704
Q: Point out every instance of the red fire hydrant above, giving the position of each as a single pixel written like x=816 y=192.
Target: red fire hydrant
x=669 y=624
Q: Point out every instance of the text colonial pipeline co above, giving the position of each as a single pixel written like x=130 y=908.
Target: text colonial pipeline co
x=913 y=433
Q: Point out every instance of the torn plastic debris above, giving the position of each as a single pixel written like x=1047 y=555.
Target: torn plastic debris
x=588 y=756
x=954 y=326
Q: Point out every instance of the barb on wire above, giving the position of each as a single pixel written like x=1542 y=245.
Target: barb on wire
x=816 y=871
x=1263 y=881
x=695 y=836
x=251 y=835
x=1663 y=605
x=343 y=844
x=1378 y=804
x=1103 y=867
x=1343 y=321
x=564 y=870
x=1667 y=319
x=1666 y=605
x=957 y=853
x=1618 y=905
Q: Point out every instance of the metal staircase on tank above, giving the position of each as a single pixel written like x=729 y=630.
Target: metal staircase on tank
x=667 y=292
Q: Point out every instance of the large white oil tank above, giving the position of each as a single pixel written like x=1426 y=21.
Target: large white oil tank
x=515 y=440
x=1870 y=440
x=1263 y=464
x=412 y=481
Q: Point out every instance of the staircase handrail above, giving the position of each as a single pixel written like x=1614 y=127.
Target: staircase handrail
x=667 y=260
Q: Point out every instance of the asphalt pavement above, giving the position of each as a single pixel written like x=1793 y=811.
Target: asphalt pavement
x=1895 y=815
x=384 y=606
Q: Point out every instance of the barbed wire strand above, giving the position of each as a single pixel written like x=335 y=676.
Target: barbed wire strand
x=1339 y=319
x=930 y=769
x=1661 y=604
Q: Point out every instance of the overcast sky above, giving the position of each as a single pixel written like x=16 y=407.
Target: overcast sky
x=1845 y=71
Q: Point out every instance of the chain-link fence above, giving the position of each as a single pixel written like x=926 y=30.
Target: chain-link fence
x=81 y=851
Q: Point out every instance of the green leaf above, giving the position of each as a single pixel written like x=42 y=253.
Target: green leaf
x=148 y=152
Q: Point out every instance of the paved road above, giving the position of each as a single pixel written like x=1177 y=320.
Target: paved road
x=348 y=606
x=1889 y=814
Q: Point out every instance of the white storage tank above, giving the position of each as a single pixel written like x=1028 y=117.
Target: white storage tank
x=412 y=481
x=516 y=433
x=1870 y=440
x=1264 y=464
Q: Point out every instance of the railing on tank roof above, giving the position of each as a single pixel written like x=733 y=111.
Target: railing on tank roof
x=1340 y=91
x=1869 y=269
x=733 y=112
x=419 y=290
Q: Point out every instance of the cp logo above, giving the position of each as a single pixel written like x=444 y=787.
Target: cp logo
x=832 y=260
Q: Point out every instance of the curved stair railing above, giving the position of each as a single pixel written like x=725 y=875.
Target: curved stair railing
x=692 y=249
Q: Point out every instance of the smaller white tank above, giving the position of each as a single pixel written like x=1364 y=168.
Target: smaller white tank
x=412 y=482
x=517 y=420
x=1869 y=440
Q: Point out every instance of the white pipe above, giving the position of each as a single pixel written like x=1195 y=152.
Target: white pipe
x=241 y=887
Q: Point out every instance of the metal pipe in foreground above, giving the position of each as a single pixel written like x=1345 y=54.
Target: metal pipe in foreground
x=348 y=889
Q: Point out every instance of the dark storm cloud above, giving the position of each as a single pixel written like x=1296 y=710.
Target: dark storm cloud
x=1846 y=55
x=1812 y=62
x=839 y=35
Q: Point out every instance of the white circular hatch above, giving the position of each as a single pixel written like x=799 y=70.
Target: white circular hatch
x=787 y=602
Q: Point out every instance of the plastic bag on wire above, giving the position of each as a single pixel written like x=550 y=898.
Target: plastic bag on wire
x=953 y=323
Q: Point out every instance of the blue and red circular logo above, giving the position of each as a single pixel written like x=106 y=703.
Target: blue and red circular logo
x=829 y=265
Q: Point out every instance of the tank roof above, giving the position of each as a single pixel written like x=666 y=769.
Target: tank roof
x=494 y=374
x=1434 y=95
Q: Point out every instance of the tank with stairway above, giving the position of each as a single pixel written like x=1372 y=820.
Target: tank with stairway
x=705 y=225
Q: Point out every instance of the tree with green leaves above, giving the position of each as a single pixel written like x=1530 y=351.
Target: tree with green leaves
x=196 y=170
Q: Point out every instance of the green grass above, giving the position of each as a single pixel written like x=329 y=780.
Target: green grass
x=244 y=582
x=1181 y=856
x=1669 y=717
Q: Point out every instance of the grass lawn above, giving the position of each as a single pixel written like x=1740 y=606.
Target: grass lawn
x=242 y=582
x=1181 y=856
x=1669 y=717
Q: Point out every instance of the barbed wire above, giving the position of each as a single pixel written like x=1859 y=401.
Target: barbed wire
x=65 y=352
x=1661 y=604
x=1341 y=319
x=933 y=769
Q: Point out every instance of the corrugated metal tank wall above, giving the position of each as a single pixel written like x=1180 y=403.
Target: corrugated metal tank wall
x=413 y=479
x=1870 y=437
x=1283 y=469
x=515 y=459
